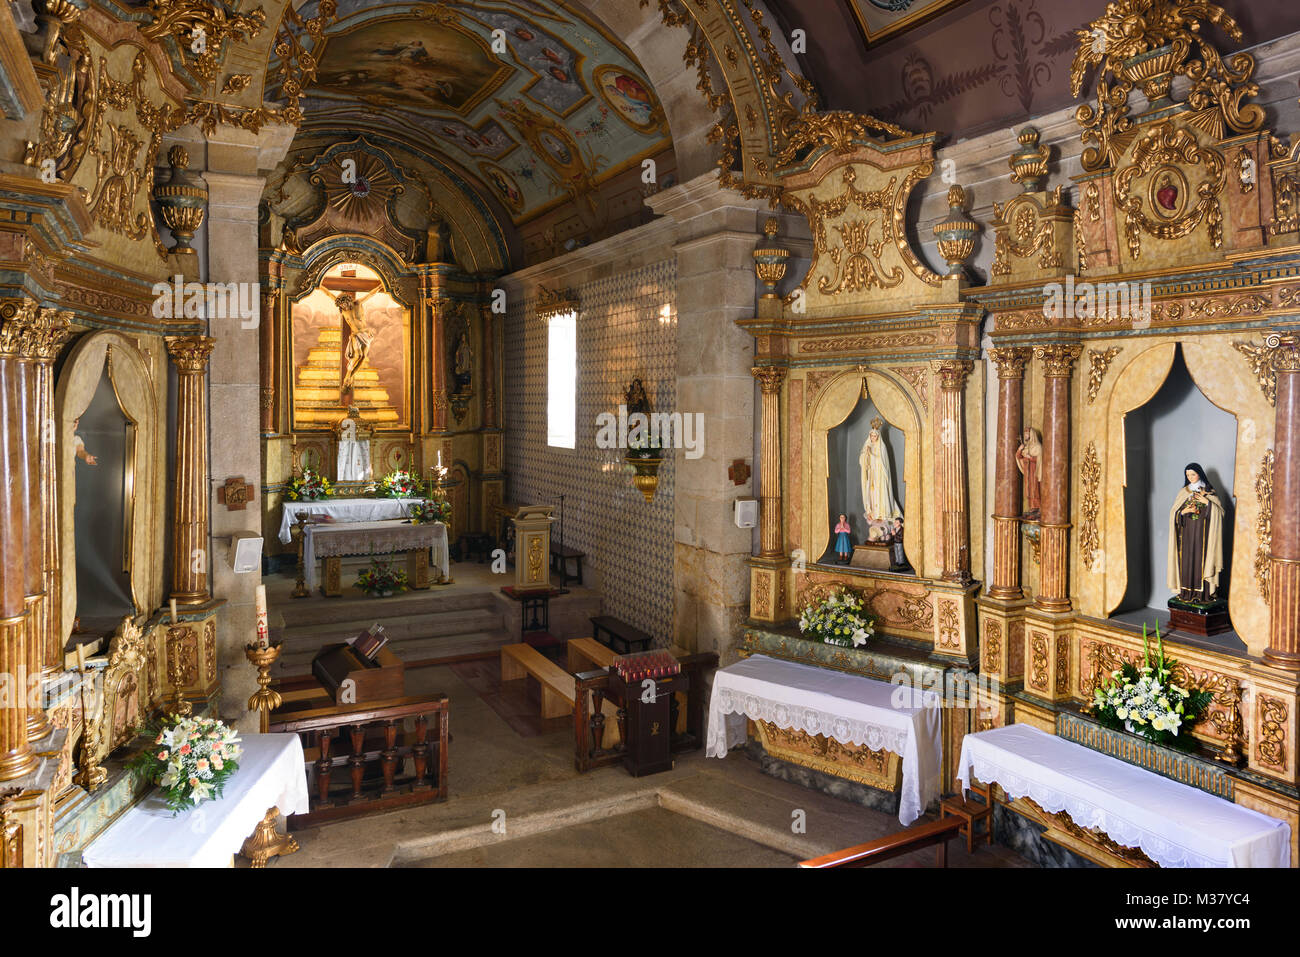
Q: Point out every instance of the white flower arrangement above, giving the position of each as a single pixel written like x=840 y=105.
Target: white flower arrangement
x=191 y=760
x=838 y=619
x=1147 y=701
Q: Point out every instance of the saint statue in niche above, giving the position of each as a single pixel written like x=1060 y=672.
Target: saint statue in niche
x=359 y=336
x=1029 y=459
x=354 y=453
x=1195 y=539
x=878 y=503
x=463 y=365
x=843 y=543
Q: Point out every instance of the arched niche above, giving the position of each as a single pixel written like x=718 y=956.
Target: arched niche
x=132 y=382
x=1231 y=388
x=832 y=407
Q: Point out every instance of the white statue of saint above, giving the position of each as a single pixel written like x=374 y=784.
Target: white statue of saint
x=354 y=454
x=878 y=503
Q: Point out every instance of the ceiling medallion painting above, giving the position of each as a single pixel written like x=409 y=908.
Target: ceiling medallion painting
x=528 y=98
x=880 y=19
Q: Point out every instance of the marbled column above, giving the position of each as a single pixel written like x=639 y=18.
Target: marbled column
x=266 y=335
x=1283 y=649
x=55 y=330
x=770 y=538
x=16 y=757
x=1007 y=490
x=190 y=559
x=951 y=468
x=1058 y=360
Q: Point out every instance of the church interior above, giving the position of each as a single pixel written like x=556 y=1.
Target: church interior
x=649 y=433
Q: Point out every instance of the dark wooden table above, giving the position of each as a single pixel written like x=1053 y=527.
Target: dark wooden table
x=561 y=555
x=622 y=637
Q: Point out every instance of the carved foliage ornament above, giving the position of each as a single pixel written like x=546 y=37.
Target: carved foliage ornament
x=1089 y=536
x=1099 y=361
x=201 y=29
x=30 y=331
x=1148 y=42
x=1021 y=232
x=1264 y=524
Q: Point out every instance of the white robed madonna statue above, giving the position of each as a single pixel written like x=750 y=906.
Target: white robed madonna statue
x=878 y=503
x=354 y=453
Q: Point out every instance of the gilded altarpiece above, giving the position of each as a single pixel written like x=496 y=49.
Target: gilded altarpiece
x=1180 y=254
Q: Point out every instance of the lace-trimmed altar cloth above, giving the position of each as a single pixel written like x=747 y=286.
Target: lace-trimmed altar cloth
x=849 y=708
x=345 y=510
x=380 y=539
x=1174 y=824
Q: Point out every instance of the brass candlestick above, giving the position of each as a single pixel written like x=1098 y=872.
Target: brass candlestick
x=90 y=775
x=179 y=704
x=264 y=699
x=300 y=590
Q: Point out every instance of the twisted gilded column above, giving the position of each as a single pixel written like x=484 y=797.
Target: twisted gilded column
x=1054 y=550
x=1283 y=649
x=190 y=559
x=1007 y=498
x=770 y=538
x=952 y=468
x=266 y=333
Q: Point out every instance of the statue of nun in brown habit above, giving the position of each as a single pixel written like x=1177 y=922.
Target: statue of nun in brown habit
x=1195 y=538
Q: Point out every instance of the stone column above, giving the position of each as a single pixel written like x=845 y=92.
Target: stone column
x=951 y=471
x=771 y=540
x=1058 y=360
x=1007 y=497
x=1283 y=649
x=714 y=230
x=190 y=559
x=16 y=757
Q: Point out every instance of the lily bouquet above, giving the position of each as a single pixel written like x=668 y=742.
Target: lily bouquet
x=1147 y=701
x=190 y=759
x=310 y=487
x=838 y=619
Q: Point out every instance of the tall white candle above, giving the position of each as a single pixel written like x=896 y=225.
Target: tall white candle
x=81 y=657
x=173 y=611
x=259 y=605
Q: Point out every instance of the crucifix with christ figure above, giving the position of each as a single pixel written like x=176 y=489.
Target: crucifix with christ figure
x=356 y=335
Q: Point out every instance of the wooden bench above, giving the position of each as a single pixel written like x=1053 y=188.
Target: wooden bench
x=561 y=555
x=623 y=638
x=587 y=653
x=927 y=834
x=559 y=691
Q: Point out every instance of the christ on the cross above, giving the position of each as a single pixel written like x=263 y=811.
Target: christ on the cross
x=358 y=337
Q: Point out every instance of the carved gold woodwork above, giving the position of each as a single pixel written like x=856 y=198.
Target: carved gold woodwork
x=1148 y=42
x=1264 y=523
x=201 y=29
x=1091 y=843
x=1158 y=162
x=1090 y=506
x=1099 y=361
x=1024 y=228
x=1029 y=163
x=881 y=769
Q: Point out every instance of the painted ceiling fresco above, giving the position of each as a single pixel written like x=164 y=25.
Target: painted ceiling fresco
x=969 y=67
x=526 y=97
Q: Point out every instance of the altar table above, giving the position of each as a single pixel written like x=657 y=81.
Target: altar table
x=271 y=774
x=849 y=708
x=331 y=542
x=345 y=510
x=1174 y=824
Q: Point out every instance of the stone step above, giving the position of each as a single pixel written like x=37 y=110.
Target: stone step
x=400 y=628
x=318 y=609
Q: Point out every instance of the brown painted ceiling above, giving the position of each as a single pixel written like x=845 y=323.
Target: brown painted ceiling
x=968 y=67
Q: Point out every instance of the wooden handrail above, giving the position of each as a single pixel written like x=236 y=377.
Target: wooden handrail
x=930 y=833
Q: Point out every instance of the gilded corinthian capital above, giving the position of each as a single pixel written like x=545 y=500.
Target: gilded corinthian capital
x=190 y=353
x=952 y=373
x=1285 y=351
x=1058 y=358
x=769 y=377
x=31 y=331
x=1011 y=361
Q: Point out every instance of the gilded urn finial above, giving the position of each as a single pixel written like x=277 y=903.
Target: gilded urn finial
x=770 y=260
x=1029 y=163
x=957 y=232
x=182 y=200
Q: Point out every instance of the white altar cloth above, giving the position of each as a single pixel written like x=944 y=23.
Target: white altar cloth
x=1174 y=824
x=849 y=708
x=345 y=510
x=385 y=538
x=271 y=772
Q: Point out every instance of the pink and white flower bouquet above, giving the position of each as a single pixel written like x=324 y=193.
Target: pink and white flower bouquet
x=190 y=759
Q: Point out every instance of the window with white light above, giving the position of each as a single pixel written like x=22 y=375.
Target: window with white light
x=562 y=380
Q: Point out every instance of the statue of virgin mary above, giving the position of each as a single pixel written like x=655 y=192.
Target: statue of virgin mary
x=1195 y=538
x=354 y=453
x=878 y=503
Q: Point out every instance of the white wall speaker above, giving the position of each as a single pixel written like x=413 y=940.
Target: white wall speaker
x=746 y=512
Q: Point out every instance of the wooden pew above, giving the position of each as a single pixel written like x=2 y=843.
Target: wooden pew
x=935 y=834
x=588 y=653
x=559 y=692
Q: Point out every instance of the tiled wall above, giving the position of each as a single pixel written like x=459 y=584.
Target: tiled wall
x=622 y=335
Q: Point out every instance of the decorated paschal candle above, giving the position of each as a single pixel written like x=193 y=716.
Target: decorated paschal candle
x=259 y=604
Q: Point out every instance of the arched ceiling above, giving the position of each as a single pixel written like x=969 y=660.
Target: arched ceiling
x=528 y=99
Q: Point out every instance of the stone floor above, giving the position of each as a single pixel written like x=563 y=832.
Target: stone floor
x=516 y=800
